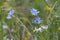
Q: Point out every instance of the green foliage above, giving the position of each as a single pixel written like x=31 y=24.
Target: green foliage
x=21 y=21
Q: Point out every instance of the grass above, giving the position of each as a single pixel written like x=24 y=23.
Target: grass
x=20 y=26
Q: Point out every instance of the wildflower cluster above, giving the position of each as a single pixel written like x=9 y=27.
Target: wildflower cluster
x=41 y=29
x=43 y=24
x=37 y=19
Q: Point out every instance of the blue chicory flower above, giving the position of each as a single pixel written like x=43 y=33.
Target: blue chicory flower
x=34 y=11
x=10 y=14
x=37 y=20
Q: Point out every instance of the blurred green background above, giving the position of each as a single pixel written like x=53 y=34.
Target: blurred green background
x=20 y=27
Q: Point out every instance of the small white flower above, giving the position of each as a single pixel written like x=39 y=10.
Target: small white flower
x=40 y=29
x=46 y=0
x=35 y=38
x=7 y=39
x=12 y=39
x=8 y=17
x=34 y=30
x=5 y=27
x=44 y=27
x=37 y=30
x=11 y=30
